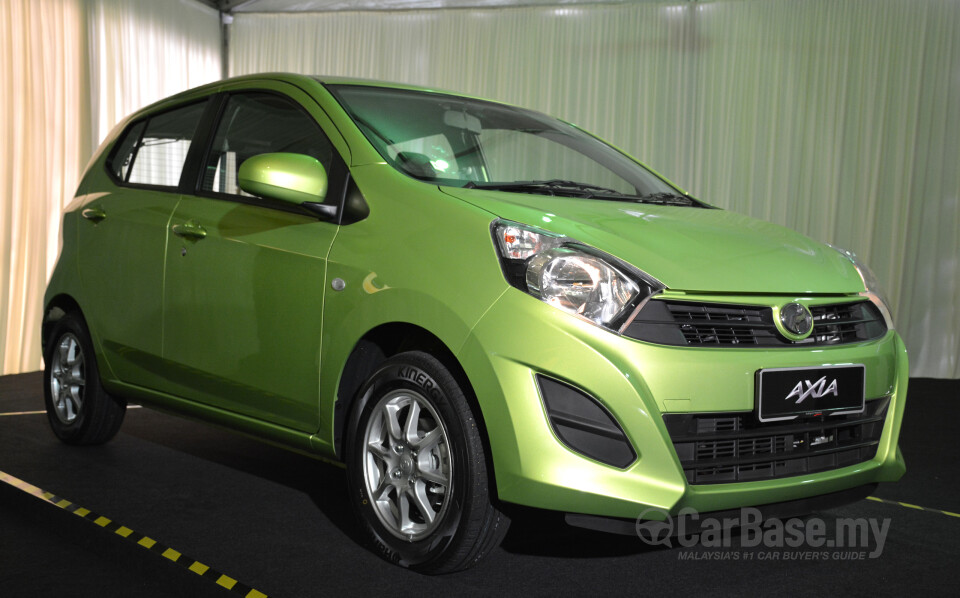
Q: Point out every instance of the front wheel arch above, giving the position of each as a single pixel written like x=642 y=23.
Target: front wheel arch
x=378 y=345
x=474 y=523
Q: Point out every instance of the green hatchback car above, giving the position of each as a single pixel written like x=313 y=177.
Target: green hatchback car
x=471 y=306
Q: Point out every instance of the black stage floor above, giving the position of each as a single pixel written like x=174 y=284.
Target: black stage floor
x=278 y=523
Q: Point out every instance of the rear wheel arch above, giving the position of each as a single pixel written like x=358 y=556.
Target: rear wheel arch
x=56 y=309
x=79 y=409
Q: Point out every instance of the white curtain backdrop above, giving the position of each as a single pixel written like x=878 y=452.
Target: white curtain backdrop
x=44 y=141
x=141 y=52
x=70 y=69
x=839 y=118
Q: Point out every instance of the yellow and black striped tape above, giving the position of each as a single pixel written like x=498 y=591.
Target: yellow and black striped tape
x=137 y=538
x=910 y=506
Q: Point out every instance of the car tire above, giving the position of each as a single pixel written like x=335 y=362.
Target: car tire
x=417 y=470
x=79 y=410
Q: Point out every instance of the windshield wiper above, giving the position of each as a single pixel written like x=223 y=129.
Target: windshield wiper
x=564 y=188
x=665 y=198
x=551 y=187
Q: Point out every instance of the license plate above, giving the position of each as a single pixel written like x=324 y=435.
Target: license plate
x=787 y=393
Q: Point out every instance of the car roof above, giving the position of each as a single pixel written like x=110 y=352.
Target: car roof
x=295 y=78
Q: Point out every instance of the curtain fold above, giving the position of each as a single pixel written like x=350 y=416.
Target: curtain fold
x=838 y=118
x=70 y=70
x=45 y=141
x=141 y=52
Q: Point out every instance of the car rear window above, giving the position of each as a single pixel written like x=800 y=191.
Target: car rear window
x=152 y=151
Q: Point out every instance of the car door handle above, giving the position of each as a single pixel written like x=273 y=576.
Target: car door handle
x=189 y=230
x=94 y=214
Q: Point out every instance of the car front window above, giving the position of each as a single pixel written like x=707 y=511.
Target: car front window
x=462 y=142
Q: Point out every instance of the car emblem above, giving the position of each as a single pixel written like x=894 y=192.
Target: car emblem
x=796 y=318
x=817 y=389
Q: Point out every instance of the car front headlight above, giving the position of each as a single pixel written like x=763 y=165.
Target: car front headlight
x=571 y=276
x=870 y=283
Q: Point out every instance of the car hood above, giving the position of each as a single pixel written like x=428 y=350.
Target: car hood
x=688 y=249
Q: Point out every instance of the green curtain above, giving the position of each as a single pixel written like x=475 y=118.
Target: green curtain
x=839 y=118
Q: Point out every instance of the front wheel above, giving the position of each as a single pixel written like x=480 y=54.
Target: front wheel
x=79 y=410
x=417 y=468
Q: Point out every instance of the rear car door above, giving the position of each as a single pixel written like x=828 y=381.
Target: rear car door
x=123 y=237
x=243 y=295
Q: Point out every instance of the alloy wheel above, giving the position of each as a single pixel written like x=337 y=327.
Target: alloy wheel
x=406 y=465
x=67 y=379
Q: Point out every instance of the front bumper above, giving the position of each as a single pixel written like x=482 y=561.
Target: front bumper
x=520 y=337
x=731 y=517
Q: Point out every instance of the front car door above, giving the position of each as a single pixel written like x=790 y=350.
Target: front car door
x=243 y=295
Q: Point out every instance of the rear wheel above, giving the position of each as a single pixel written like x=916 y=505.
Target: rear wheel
x=78 y=408
x=417 y=469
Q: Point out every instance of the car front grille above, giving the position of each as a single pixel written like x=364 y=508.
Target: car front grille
x=720 y=448
x=687 y=323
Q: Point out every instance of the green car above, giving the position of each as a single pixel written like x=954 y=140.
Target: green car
x=470 y=305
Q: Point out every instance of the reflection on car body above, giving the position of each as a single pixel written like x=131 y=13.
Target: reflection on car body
x=471 y=305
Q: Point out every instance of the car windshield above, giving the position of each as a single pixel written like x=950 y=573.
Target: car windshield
x=462 y=142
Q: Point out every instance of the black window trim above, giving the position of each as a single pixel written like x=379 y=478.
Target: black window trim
x=192 y=168
x=339 y=179
x=198 y=133
x=135 y=150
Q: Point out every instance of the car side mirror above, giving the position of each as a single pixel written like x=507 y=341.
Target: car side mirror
x=291 y=178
